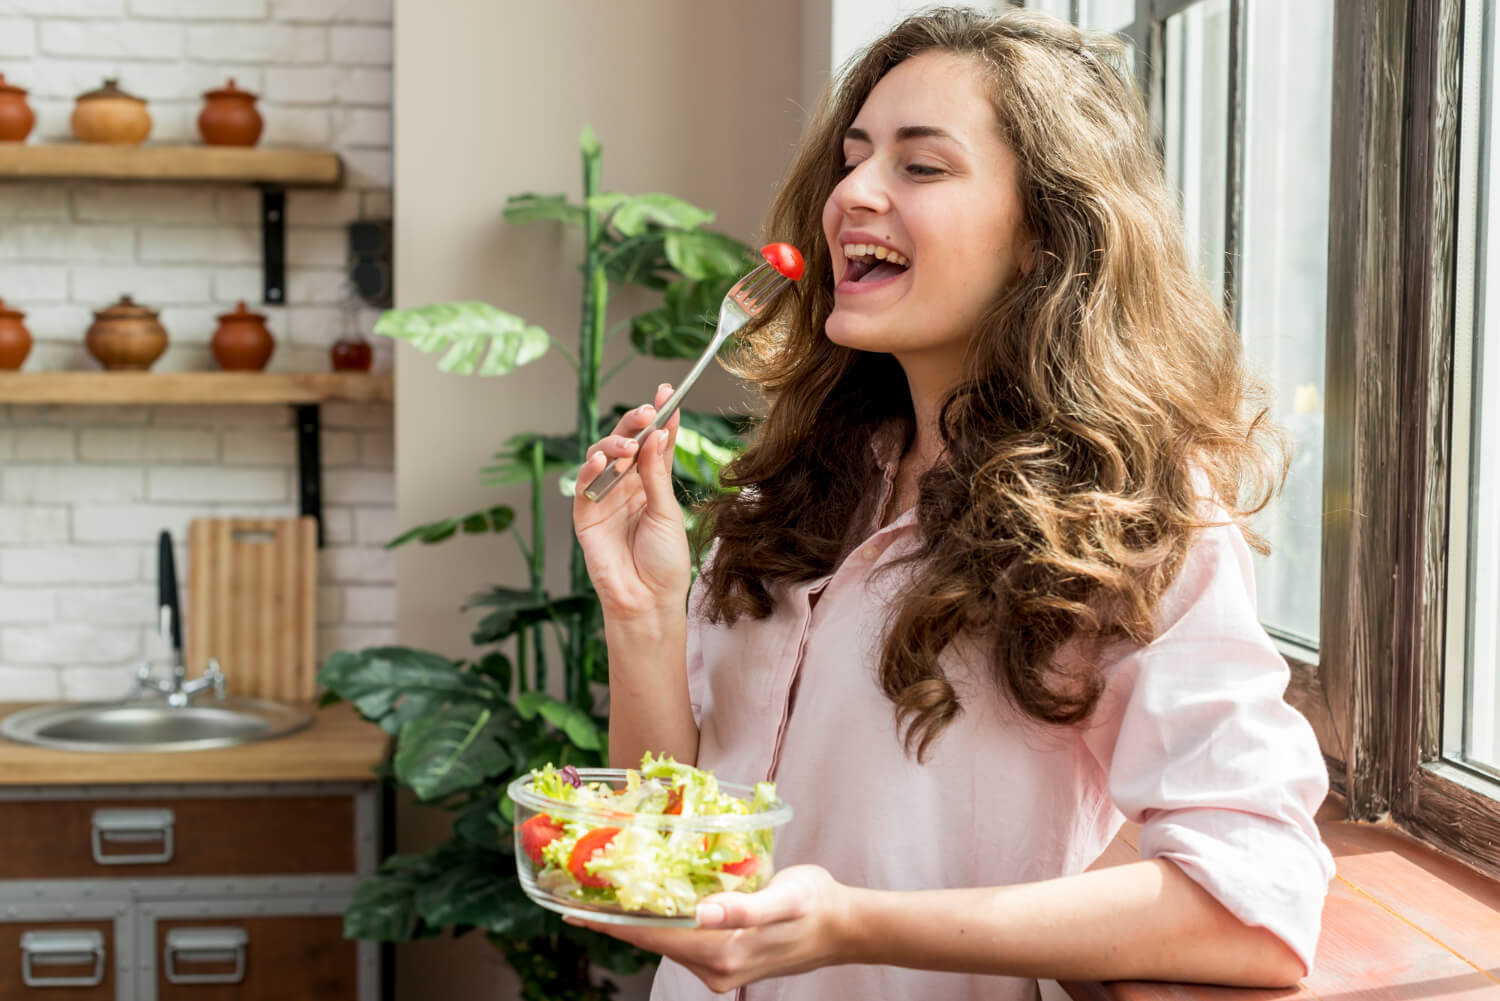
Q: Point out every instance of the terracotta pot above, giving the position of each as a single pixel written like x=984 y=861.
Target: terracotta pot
x=15 y=339
x=242 y=342
x=229 y=117
x=351 y=354
x=16 y=116
x=126 y=336
x=109 y=115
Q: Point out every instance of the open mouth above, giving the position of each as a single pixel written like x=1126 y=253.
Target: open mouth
x=869 y=263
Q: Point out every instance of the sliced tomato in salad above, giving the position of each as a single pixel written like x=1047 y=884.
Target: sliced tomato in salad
x=584 y=850
x=784 y=258
x=537 y=833
x=744 y=867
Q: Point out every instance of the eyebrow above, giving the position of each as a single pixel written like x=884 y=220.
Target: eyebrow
x=907 y=132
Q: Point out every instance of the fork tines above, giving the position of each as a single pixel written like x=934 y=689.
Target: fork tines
x=759 y=287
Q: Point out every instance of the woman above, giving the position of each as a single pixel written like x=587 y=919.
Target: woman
x=986 y=586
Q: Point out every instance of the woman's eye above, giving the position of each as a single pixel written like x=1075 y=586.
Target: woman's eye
x=845 y=170
x=922 y=170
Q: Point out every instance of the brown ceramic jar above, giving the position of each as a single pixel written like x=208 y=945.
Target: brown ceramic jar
x=15 y=339
x=16 y=116
x=242 y=342
x=126 y=336
x=109 y=115
x=229 y=117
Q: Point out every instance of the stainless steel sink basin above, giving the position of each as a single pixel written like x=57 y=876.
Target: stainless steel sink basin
x=151 y=725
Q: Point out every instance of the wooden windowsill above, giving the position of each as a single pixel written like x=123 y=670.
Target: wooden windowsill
x=191 y=388
x=1402 y=921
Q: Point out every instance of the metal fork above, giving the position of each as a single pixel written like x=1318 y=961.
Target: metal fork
x=747 y=300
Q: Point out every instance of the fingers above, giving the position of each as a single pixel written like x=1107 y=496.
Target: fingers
x=749 y=910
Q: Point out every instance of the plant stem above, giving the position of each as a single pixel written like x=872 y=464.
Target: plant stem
x=590 y=349
x=538 y=560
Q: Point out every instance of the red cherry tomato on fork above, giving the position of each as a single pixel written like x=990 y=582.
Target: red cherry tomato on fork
x=784 y=258
x=537 y=833
x=583 y=851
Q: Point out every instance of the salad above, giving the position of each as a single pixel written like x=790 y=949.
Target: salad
x=656 y=842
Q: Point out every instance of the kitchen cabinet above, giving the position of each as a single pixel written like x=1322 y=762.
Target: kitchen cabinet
x=185 y=892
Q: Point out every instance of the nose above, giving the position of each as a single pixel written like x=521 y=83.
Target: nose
x=862 y=189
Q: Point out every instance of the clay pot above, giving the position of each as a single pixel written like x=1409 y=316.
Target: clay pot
x=242 y=342
x=15 y=339
x=109 y=115
x=16 y=116
x=126 y=336
x=229 y=117
x=351 y=354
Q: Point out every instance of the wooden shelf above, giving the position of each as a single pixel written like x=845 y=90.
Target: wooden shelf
x=169 y=388
x=223 y=164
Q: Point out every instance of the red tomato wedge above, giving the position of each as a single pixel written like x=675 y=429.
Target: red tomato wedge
x=537 y=833
x=744 y=867
x=784 y=258
x=583 y=851
x=674 y=801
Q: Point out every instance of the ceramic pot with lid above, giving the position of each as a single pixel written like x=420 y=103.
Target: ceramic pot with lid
x=242 y=342
x=126 y=336
x=15 y=339
x=109 y=115
x=229 y=117
x=16 y=116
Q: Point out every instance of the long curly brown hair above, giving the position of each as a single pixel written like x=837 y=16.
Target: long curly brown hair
x=1104 y=396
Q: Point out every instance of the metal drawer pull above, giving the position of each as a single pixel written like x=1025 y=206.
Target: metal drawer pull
x=205 y=945
x=132 y=827
x=62 y=948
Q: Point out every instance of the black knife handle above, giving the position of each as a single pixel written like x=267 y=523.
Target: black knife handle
x=166 y=587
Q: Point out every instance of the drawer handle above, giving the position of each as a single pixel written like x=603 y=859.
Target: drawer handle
x=62 y=948
x=132 y=827
x=205 y=945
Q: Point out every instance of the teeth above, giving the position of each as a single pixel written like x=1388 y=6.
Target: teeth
x=856 y=250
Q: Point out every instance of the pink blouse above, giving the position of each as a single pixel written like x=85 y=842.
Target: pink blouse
x=1192 y=739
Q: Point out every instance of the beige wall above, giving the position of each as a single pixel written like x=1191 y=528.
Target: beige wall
x=699 y=99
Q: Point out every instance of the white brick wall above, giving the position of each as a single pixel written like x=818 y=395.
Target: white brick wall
x=322 y=69
x=85 y=490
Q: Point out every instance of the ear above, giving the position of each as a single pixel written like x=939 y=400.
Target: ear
x=1031 y=251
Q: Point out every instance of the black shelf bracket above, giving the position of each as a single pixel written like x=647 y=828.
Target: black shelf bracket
x=273 y=243
x=309 y=464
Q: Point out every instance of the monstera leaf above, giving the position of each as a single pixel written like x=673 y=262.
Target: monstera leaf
x=474 y=338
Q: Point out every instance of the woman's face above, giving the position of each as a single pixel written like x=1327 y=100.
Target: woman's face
x=925 y=228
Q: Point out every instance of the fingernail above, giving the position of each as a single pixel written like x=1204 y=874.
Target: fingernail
x=710 y=915
x=665 y=385
x=631 y=446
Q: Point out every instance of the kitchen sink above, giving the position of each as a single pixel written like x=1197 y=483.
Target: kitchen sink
x=152 y=725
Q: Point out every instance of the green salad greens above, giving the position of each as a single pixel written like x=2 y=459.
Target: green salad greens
x=614 y=861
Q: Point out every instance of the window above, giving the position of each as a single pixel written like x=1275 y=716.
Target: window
x=1367 y=291
x=1471 y=719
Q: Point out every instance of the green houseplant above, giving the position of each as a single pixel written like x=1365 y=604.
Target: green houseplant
x=464 y=728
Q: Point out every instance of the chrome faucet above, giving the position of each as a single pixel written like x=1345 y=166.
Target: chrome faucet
x=176 y=687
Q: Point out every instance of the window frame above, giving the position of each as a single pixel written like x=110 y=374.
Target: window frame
x=1373 y=690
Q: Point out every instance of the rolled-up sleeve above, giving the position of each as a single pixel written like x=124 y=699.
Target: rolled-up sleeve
x=1203 y=751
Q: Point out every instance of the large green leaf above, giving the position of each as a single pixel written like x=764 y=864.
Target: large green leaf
x=480 y=826
x=391 y=685
x=512 y=464
x=477 y=890
x=474 y=337
x=704 y=254
x=629 y=215
x=577 y=724
x=531 y=207
x=683 y=324
x=492 y=519
x=516 y=609
x=384 y=908
x=456 y=747
x=641 y=260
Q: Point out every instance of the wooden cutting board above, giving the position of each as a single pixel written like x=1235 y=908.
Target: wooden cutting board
x=252 y=604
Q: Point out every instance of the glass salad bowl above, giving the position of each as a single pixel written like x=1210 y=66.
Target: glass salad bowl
x=627 y=846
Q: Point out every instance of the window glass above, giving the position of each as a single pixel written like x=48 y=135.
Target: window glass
x=1106 y=15
x=1283 y=282
x=1196 y=104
